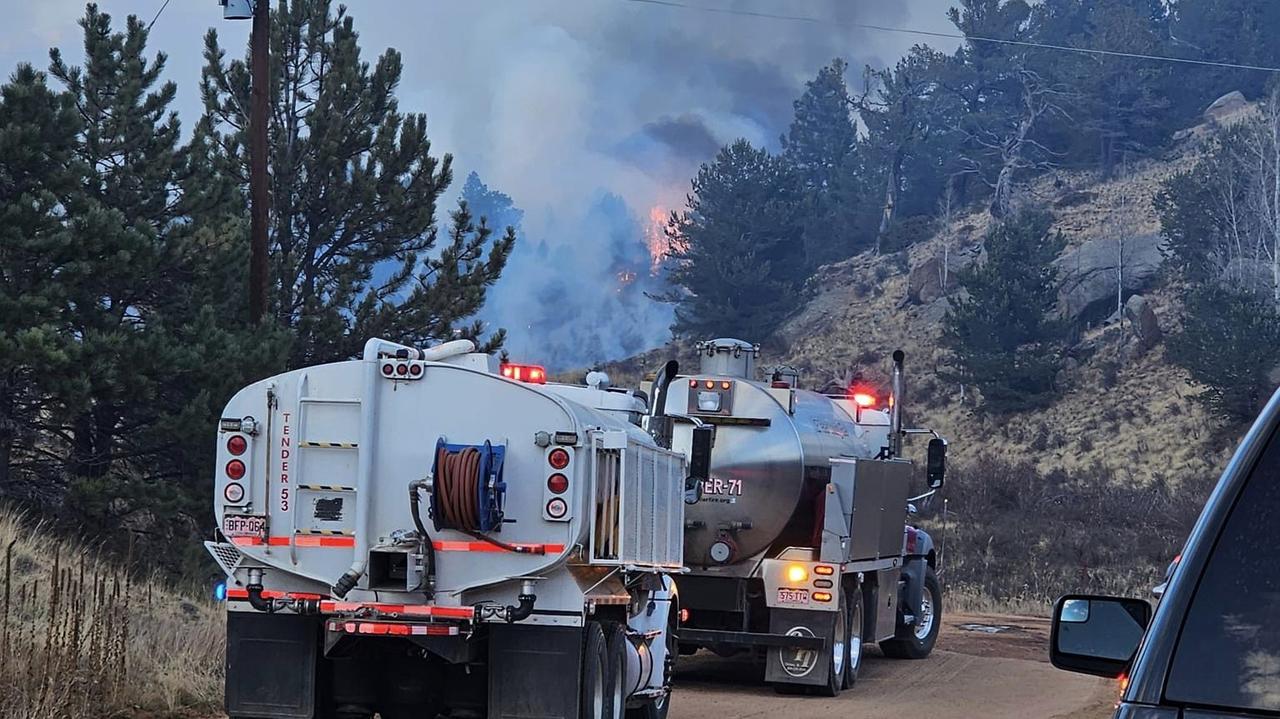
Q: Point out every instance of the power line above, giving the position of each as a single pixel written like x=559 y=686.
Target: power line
x=158 y=14
x=954 y=36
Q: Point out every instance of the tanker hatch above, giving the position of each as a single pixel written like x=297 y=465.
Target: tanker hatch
x=725 y=357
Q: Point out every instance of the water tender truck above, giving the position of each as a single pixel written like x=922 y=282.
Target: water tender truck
x=413 y=533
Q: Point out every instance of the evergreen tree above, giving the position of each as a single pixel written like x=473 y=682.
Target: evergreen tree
x=150 y=344
x=38 y=176
x=733 y=251
x=1118 y=106
x=1000 y=334
x=821 y=138
x=1236 y=31
x=354 y=191
x=822 y=131
x=909 y=124
x=1228 y=345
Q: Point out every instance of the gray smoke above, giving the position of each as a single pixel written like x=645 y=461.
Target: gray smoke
x=597 y=115
x=588 y=113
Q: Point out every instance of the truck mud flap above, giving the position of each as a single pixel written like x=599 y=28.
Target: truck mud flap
x=805 y=664
x=271 y=665
x=534 y=671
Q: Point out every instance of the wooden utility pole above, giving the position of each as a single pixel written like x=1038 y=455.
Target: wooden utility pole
x=260 y=199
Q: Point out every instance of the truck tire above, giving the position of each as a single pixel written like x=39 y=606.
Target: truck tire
x=853 y=651
x=615 y=641
x=595 y=701
x=916 y=641
x=838 y=657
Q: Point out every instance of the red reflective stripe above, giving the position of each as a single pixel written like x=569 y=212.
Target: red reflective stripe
x=427 y=610
x=305 y=540
x=395 y=629
x=409 y=610
x=490 y=547
x=246 y=541
x=271 y=594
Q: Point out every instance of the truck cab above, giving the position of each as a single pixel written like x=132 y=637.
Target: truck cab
x=1212 y=647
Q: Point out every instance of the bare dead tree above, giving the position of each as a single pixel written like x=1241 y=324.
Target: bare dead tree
x=946 y=218
x=1013 y=146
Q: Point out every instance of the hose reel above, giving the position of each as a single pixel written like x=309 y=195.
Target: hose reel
x=467 y=490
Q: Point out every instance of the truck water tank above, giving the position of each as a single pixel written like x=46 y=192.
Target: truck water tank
x=771 y=458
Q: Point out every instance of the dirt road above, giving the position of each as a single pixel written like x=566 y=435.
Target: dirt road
x=971 y=674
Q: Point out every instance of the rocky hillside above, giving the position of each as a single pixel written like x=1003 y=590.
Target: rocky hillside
x=1122 y=408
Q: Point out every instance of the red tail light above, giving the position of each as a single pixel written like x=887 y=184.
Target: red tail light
x=559 y=458
x=863 y=399
x=235 y=469
x=531 y=373
x=237 y=445
x=557 y=483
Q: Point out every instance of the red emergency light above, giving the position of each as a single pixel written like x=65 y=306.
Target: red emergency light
x=531 y=373
x=865 y=400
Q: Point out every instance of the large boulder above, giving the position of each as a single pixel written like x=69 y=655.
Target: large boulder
x=924 y=283
x=1226 y=107
x=1087 y=275
x=1142 y=321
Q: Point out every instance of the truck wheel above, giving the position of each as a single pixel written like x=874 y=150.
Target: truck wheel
x=916 y=641
x=615 y=641
x=838 y=658
x=854 y=651
x=595 y=674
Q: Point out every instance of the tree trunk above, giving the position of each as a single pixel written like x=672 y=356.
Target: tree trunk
x=890 y=199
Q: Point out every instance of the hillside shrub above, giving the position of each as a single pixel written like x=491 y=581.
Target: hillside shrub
x=1016 y=536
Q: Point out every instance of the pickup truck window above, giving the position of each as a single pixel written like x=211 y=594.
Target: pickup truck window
x=1228 y=656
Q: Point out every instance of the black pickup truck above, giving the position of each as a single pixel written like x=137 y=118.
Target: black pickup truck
x=1212 y=649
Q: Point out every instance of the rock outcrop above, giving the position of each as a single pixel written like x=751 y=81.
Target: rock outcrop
x=1087 y=275
x=1142 y=322
x=1226 y=107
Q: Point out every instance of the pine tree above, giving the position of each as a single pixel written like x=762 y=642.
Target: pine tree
x=733 y=251
x=817 y=146
x=38 y=176
x=1228 y=344
x=128 y=149
x=999 y=333
x=151 y=344
x=354 y=192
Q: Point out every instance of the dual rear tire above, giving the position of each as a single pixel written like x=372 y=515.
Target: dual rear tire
x=604 y=669
x=844 y=651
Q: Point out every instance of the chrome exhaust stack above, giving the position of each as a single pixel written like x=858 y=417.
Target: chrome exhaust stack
x=895 y=406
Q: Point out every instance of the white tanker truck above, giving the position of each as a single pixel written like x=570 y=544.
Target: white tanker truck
x=414 y=533
x=798 y=549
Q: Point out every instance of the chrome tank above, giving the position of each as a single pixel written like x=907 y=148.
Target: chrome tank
x=770 y=461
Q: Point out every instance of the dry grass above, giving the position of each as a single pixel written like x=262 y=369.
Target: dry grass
x=80 y=637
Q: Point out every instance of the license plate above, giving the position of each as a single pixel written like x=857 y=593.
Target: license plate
x=244 y=525
x=793 y=596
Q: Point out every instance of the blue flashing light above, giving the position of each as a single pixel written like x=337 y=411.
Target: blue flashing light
x=220 y=592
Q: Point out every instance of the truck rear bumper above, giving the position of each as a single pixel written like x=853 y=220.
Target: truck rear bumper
x=708 y=637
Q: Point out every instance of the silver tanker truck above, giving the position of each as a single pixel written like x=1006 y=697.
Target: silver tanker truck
x=422 y=532
x=798 y=548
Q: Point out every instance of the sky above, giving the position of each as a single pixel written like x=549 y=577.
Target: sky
x=593 y=115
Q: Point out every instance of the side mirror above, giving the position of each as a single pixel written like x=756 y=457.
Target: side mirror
x=699 y=463
x=1097 y=635
x=936 y=463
